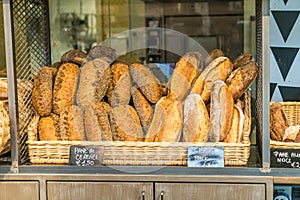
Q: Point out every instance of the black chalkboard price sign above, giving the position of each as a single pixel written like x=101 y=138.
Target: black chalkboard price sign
x=85 y=156
x=285 y=158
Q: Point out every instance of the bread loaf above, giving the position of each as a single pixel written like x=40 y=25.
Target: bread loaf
x=94 y=79
x=236 y=131
x=290 y=133
x=241 y=79
x=143 y=107
x=171 y=123
x=187 y=69
x=91 y=125
x=4 y=128
x=119 y=89
x=103 y=111
x=71 y=124
x=221 y=111
x=195 y=119
x=49 y=128
x=242 y=60
x=156 y=121
x=125 y=124
x=106 y=53
x=74 y=56
x=213 y=55
x=42 y=91
x=218 y=69
x=278 y=121
x=3 y=89
x=146 y=81
x=65 y=86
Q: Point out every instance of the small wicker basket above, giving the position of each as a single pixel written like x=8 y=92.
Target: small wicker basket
x=292 y=111
x=139 y=153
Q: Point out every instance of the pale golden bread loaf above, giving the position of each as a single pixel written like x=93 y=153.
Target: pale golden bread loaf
x=3 y=89
x=71 y=124
x=4 y=128
x=91 y=125
x=156 y=122
x=187 y=69
x=143 y=108
x=146 y=81
x=119 y=89
x=49 y=128
x=195 y=119
x=103 y=111
x=125 y=124
x=290 y=133
x=241 y=79
x=94 y=80
x=218 y=69
x=236 y=131
x=171 y=123
x=221 y=111
x=42 y=91
x=65 y=86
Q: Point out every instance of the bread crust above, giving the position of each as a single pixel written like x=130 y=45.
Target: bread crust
x=236 y=130
x=278 y=121
x=49 y=128
x=103 y=111
x=187 y=69
x=196 y=119
x=213 y=55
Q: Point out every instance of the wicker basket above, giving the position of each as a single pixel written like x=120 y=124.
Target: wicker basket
x=140 y=153
x=292 y=111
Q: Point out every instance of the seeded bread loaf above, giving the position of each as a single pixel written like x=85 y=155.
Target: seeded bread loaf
x=103 y=111
x=91 y=125
x=49 y=128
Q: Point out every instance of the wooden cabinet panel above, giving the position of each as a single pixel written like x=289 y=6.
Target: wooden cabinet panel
x=211 y=191
x=99 y=190
x=19 y=190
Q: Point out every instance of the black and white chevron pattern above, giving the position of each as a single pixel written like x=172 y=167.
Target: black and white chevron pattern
x=284 y=50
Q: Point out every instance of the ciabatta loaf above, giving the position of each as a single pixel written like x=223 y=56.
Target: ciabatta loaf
x=195 y=119
x=221 y=111
x=187 y=69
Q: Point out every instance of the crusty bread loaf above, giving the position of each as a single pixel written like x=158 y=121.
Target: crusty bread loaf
x=241 y=79
x=218 y=69
x=71 y=124
x=213 y=55
x=49 y=128
x=74 y=56
x=242 y=60
x=278 y=121
x=94 y=80
x=156 y=122
x=91 y=125
x=106 y=53
x=290 y=133
x=65 y=86
x=221 y=111
x=42 y=91
x=143 y=108
x=236 y=131
x=103 y=111
x=195 y=119
x=171 y=125
x=3 y=89
x=119 y=89
x=146 y=81
x=125 y=124
x=187 y=69
x=4 y=129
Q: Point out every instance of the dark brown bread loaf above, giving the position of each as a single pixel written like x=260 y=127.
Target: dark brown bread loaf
x=146 y=81
x=94 y=80
x=221 y=111
x=74 y=56
x=103 y=112
x=241 y=79
x=242 y=60
x=218 y=69
x=65 y=86
x=278 y=121
x=143 y=108
x=125 y=124
x=103 y=52
x=119 y=89
x=49 y=128
x=187 y=69
x=196 y=119
x=42 y=91
x=71 y=124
